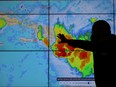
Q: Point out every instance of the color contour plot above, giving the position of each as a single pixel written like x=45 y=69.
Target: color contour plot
x=72 y=66
x=30 y=52
x=23 y=69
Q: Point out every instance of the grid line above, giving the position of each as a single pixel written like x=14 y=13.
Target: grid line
x=24 y=0
x=22 y=50
x=56 y=13
x=48 y=44
x=41 y=0
x=37 y=50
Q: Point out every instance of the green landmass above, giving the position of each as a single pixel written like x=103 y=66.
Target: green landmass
x=2 y=23
x=93 y=20
x=39 y=33
x=81 y=60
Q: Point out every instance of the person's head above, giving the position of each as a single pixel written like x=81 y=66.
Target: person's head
x=100 y=29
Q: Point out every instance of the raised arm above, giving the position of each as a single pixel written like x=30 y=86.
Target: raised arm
x=87 y=45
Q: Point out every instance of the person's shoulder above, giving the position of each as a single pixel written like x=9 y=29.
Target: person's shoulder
x=113 y=39
x=113 y=36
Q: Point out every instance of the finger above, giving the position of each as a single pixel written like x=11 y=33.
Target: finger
x=58 y=36
x=62 y=34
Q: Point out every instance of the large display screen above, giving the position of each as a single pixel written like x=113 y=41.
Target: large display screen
x=30 y=52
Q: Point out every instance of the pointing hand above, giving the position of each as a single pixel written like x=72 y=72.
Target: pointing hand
x=62 y=38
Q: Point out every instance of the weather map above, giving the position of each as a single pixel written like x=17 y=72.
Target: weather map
x=30 y=52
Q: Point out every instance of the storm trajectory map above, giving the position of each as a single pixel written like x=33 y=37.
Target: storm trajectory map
x=30 y=51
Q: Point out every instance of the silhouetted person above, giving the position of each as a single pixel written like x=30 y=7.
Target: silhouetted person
x=103 y=46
